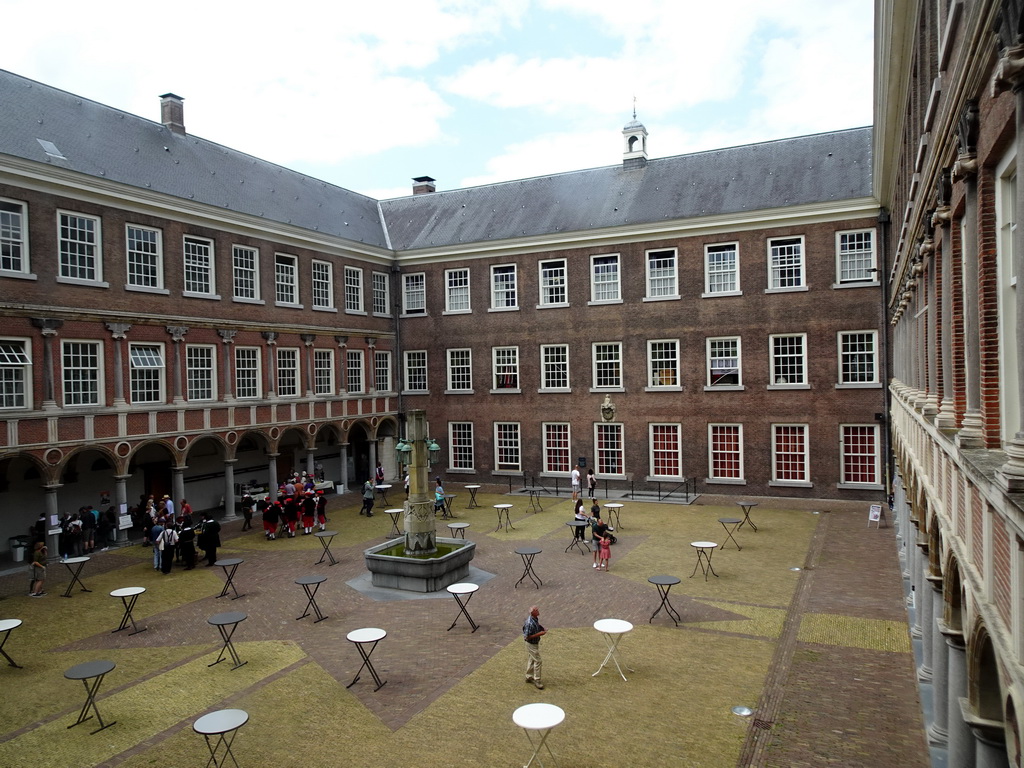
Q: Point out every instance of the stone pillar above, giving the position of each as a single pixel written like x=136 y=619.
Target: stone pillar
x=344 y=469
x=121 y=500
x=931 y=400
x=307 y=342
x=946 y=417
x=938 y=732
x=48 y=327
x=311 y=464
x=272 y=481
x=420 y=521
x=966 y=170
x=119 y=331
x=177 y=487
x=925 y=603
x=52 y=510
x=177 y=337
x=227 y=369
x=342 y=342
x=229 y=489
x=271 y=367
x=961 y=743
x=990 y=746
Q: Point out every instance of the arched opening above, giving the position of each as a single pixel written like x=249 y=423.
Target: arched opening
x=359 y=455
x=204 y=479
x=150 y=470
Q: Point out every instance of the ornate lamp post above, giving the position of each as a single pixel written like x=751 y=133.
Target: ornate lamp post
x=417 y=452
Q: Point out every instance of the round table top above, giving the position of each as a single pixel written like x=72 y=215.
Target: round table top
x=73 y=560
x=228 y=617
x=578 y=523
x=612 y=626
x=664 y=579
x=89 y=669
x=317 y=579
x=747 y=503
x=471 y=486
x=528 y=551
x=322 y=534
x=229 y=561
x=383 y=487
x=6 y=625
x=463 y=588
x=614 y=506
x=366 y=635
x=394 y=511
x=729 y=520
x=127 y=591
x=458 y=525
x=538 y=717
x=703 y=544
x=221 y=721
x=503 y=506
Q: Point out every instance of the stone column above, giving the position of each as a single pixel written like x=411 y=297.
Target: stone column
x=938 y=733
x=931 y=400
x=342 y=342
x=177 y=336
x=307 y=342
x=311 y=463
x=420 y=521
x=178 y=487
x=229 y=489
x=227 y=374
x=961 y=743
x=121 y=500
x=272 y=481
x=344 y=468
x=52 y=510
x=49 y=328
x=990 y=745
x=925 y=603
x=271 y=367
x=966 y=170
x=946 y=417
x=119 y=331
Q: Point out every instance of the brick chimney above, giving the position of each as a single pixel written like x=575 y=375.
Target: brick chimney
x=172 y=113
x=424 y=185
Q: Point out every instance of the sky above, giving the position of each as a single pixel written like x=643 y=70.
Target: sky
x=368 y=95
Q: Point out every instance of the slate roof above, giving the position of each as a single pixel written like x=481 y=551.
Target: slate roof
x=821 y=168
x=107 y=143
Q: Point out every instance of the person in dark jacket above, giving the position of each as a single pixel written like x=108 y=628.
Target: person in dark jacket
x=209 y=539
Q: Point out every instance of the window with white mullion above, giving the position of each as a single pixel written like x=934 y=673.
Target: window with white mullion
x=788 y=360
x=353 y=289
x=860 y=455
x=247 y=373
x=556 y=448
x=287 y=372
x=416 y=370
x=460 y=442
x=721 y=269
x=245 y=273
x=80 y=368
x=858 y=357
x=456 y=290
x=198 y=262
x=507 y=449
x=786 y=262
x=504 y=294
x=460 y=370
x=13 y=237
x=79 y=247
x=354 y=370
x=855 y=252
x=789 y=453
x=381 y=293
x=724 y=362
x=15 y=373
x=144 y=257
x=286 y=279
x=725 y=452
x=323 y=371
x=553 y=288
x=607 y=359
x=199 y=372
x=414 y=294
x=505 y=362
x=322 y=283
x=382 y=371
x=666 y=450
x=554 y=367
x=662 y=281
x=605 y=284
x=610 y=453
x=663 y=364
x=146 y=362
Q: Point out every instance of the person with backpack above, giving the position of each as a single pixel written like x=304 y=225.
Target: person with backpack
x=209 y=539
x=168 y=544
x=367 y=508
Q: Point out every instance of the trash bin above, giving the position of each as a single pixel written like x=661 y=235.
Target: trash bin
x=18 y=545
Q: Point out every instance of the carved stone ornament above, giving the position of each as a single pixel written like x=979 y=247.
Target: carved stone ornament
x=607 y=408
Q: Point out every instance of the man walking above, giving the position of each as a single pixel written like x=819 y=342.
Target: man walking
x=532 y=633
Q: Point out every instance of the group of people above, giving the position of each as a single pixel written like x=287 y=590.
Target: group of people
x=176 y=539
x=82 y=532
x=601 y=538
x=282 y=517
x=577 y=481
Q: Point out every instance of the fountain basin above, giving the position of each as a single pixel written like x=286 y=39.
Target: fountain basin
x=419 y=574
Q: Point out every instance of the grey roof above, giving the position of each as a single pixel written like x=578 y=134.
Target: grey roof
x=822 y=168
x=107 y=143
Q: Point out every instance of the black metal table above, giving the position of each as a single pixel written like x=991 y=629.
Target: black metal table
x=310 y=585
x=91 y=673
x=230 y=565
x=746 y=506
x=325 y=540
x=458 y=530
x=226 y=624
x=731 y=525
x=75 y=566
x=6 y=627
x=534 y=492
x=128 y=597
x=463 y=593
x=361 y=638
x=577 y=539
x=223 y=724
x=446 y=509
x=664 y=583
x=528 y=553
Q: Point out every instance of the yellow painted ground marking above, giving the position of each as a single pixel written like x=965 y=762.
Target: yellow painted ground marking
x=869 y=634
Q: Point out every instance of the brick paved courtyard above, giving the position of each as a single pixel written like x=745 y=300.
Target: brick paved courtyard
x=821 y=654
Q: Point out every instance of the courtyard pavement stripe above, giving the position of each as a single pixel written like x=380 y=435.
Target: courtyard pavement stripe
x=870 y=634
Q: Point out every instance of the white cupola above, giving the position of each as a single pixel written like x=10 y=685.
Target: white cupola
x=634 y=147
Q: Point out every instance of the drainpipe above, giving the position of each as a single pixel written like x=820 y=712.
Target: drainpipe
x=883 y=254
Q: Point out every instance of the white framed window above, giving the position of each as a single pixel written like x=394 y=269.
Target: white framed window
x=286 y=279
x=79 y=242
x=460 y=441
x=725 y=453
x=786 y=263
x=287 y=372
x=245 y=273
x=321 y=279
x=200 y=372
x=15 y=373
x=382 y=371
x=666 y=441
x=460 y=370
x=381 y=293
x=789 y=454
x=607 y=360
x=416 y=370
x=554 y=368
x=505 y=368
x=414 y=294
x=323 y=372
x=722 y=269
x=456 y=291
x=504 y=293
x=855 y=257
x=860 y=456
x=556 y=447
x=662 y=274
x=144 y=257
x=14 y=260
x=724 y=369
x=611 y=459
x=247 y=373
x=554 y=288
x=146 y=363
x=788 y=360
x=81 y=373
x=605 y=280
x=198 y=263
x=858 y=359
x=354 y=290
x=354 y=370
x=507 y=449
x=663 y=364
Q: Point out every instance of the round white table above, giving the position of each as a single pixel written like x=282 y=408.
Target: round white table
x=472 y=495
x=6 y=627
x=463 y=593
x=326 y=537
x=361 y=638
x=75 y=566
x=128 y=597
x=503 y=510
x=394 y=522
x=542 y=718
x=705 y=549
x=613 y=630
x=383 y=489
x=613 y=511
x=223 y=724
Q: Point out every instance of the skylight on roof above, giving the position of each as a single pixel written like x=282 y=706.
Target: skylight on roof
x=51 y=149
